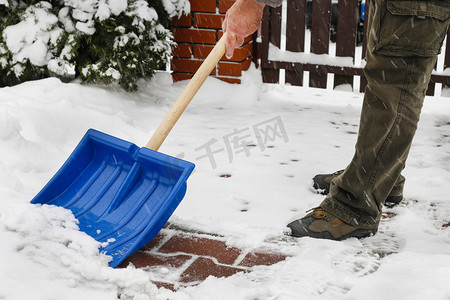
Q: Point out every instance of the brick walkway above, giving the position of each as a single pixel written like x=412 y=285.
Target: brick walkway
x=176 y=258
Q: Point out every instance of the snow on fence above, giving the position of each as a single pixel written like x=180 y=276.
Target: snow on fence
x=293 y=54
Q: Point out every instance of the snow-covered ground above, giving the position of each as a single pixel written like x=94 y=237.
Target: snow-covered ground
x=291 y=135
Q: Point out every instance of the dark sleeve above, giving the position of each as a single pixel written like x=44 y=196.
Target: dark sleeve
x=273 y=3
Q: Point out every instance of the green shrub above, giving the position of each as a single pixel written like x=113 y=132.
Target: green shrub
x=101 y=41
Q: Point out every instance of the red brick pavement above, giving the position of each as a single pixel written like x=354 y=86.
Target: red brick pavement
x=175 y=258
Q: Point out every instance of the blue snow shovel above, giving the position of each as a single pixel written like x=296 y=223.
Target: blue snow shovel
x=122 y=195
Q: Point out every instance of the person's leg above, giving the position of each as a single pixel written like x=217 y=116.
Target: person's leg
x=388 y=122
x=400 y=58
x=322 y=182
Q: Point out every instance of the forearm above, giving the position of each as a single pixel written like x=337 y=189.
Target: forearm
x=273 y=3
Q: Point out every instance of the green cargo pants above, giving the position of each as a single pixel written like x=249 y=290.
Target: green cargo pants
x=404 y=38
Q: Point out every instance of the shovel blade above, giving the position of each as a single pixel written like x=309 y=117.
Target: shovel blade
x=122 y=195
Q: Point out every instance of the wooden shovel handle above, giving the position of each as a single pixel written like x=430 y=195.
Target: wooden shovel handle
x=186 y=96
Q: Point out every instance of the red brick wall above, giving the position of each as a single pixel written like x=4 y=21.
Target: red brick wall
x=197 y=34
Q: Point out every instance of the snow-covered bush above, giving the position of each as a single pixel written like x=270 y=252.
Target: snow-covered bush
x=102 y=41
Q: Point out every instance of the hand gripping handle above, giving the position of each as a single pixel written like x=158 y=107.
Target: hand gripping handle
x=186 y=96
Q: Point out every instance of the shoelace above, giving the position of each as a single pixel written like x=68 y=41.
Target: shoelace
x=319 y=213
x=338 y=172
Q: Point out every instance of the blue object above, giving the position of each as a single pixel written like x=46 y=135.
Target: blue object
x=120 y=193
x=363 y=11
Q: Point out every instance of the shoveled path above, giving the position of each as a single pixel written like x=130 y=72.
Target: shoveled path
x=177 y=257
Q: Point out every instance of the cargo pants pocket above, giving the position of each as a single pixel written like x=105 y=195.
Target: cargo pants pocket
x=408 y=28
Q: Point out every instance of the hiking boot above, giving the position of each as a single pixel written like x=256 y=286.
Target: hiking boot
x=321 y=224
x=321 y=184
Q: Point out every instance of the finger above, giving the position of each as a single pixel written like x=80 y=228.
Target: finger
x=239 y=41
x=224 y=24
x=230 y=44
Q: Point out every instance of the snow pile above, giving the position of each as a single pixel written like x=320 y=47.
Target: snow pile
x=269 y=141
x=48 y=236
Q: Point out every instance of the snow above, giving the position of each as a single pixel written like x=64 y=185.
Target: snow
x=291 y=134
x=141 y=9
x=276 y=54
x=105 y=8
x=176 y=8
x=117 y=6
x=63 y=17
x=28 y=39
x=446 y=72
x=86 y=27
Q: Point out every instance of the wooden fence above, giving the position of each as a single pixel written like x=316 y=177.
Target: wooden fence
x=318 y=62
